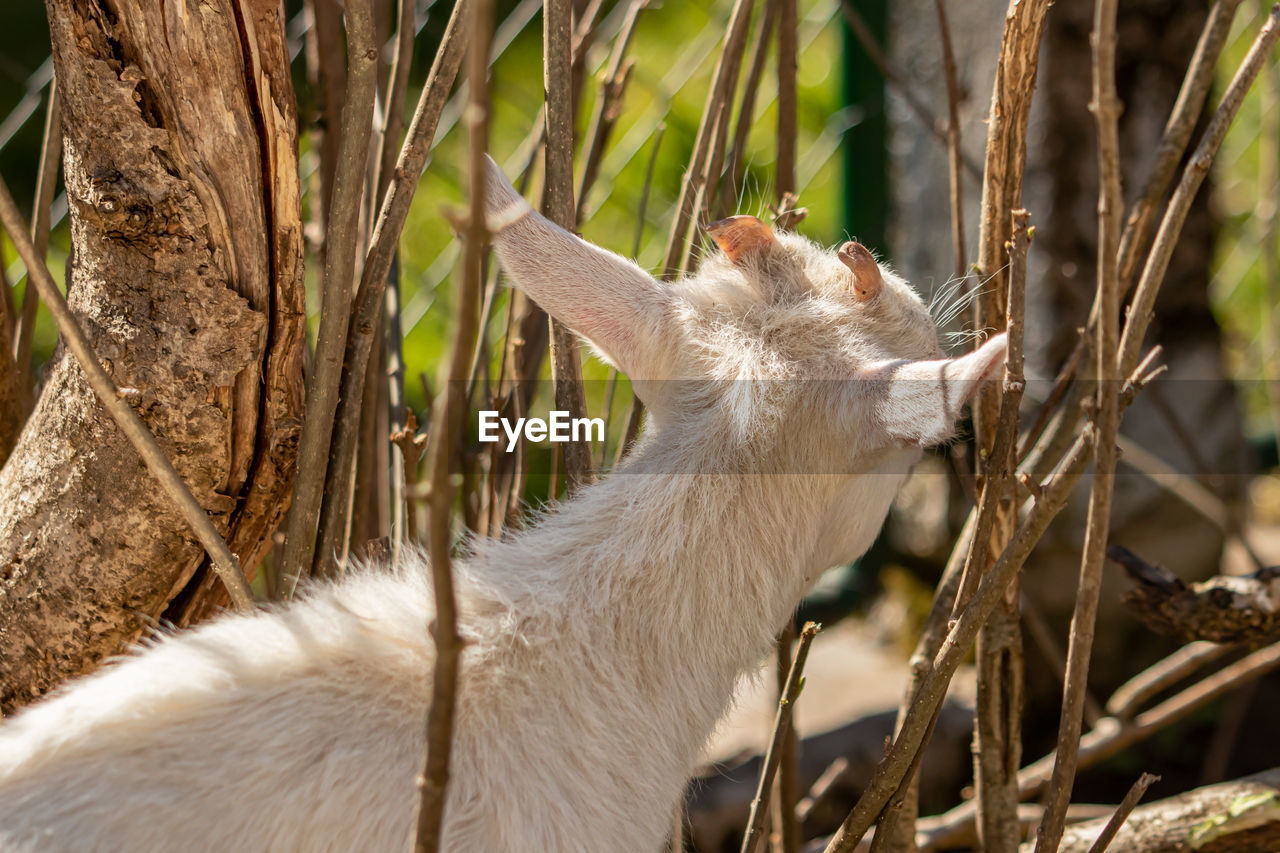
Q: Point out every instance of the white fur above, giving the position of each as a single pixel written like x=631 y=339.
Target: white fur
x=603 y=643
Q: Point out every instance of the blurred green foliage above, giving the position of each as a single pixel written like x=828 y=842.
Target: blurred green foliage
x=1239 y=292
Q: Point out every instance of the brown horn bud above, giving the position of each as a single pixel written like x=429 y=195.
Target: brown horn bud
x=867 y=280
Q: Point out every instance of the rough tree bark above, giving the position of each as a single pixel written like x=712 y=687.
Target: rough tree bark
x=186 y=272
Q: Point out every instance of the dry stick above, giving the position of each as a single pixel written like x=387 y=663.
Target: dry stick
x=411 y=448
x=347 y=474
x=371 y=294
x=1145 y=781
x=726 y=74
x=902 y=754
x=733 y=172
x=1010 y=109
x=397 y=92
x=1141 y=307
x=954 y=151
x=224 y=562
x=392 y=128
x=10 y=313
x=1162 y=675
x=1106 y=110
x=894 y=77
x=822 y=786
x=1111 y=735
x=781 y=724
x=608 y=104
x=786 y=825
x=342 y=237
x=557 y=204
x=785 y=835
x=788 y=52
x=46 y=182
x=446 y=442
x=997 y=727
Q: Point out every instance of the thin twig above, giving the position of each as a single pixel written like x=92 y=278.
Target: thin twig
x=1042 y=636
x=1269 y=216
x=1141 y=306
x=725 y=76
x=1162 y=675
x=411 y=448
x=342 y=238
x=997 y=727
x=393 y=334
x=558 y=206
x=733 y=172
x=785 y=835
x=447 y=441
x=224 y=562
x=895 y=78
x=46 y=182
x=1127 y=805
x=1106 y=110
x=788 y=53
x=608 y=104
x=954 y=151
x=781 y=724
x=821 y=787
x=1005 y=433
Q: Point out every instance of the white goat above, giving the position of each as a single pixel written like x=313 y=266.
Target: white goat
x=603 y=644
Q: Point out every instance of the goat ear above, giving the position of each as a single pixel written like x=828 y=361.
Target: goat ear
x=622 y=310
x=742 y=238
x=919 y=401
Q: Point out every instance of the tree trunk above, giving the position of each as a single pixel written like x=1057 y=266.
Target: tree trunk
x=186 y=272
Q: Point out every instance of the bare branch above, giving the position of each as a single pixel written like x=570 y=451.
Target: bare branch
x=955 y=154
x=447 y=438
x=557 y=204
x=1108 y=834
x=723 y=83
x=1106 y=110
x=781 y=724
x=46 y=182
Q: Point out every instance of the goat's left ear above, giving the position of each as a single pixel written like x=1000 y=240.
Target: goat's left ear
x=920 y=401
x=621 y=309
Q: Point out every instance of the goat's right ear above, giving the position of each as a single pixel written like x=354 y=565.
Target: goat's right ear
x=624 y=312
x=920 y=401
